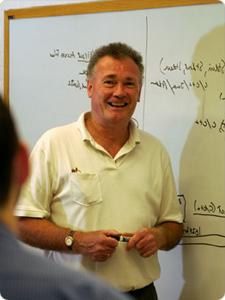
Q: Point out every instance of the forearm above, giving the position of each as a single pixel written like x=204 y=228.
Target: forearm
x=42 y=233
x=168 y=234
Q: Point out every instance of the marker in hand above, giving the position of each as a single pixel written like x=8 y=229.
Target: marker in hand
x=121 y=238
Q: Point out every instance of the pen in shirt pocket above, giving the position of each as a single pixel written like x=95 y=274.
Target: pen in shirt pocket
x=75 y=170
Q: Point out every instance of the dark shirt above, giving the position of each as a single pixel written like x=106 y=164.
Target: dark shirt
x=24 y=275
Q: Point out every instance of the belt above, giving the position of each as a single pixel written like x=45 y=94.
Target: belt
x=148 y=293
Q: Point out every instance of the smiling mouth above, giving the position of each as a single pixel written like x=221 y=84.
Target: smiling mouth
x=118 y=104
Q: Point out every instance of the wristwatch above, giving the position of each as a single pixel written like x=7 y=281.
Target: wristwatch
x=69 y=240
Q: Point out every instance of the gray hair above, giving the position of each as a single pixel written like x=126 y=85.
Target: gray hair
x=118 y=51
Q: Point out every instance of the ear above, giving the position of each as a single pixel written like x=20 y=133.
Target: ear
x=21 y=165
x=89 y=88
x=139 y=95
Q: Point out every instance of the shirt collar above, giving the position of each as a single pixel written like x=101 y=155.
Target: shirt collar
x=134 y=131
x=81 y=126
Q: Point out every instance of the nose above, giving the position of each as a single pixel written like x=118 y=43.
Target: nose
x=119 y=91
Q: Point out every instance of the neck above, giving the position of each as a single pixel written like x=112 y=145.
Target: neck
x=111 y=138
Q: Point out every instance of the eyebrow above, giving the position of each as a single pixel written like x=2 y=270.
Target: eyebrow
x=112 y=76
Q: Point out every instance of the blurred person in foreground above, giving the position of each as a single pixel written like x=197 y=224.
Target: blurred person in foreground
x=24 y=275
x=101 y=179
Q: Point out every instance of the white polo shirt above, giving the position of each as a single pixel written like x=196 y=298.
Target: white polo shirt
x=75 y=183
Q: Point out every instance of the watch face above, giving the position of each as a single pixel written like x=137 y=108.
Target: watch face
x=69 y=241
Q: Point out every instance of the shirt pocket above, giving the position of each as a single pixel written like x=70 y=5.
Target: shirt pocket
x=86 y=188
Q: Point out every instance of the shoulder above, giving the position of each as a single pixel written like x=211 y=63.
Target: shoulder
x=149 y=137
x=58 y=132
x=65 y=131
x=57 y=138
x=153 y=150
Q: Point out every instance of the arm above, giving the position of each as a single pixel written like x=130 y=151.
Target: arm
x=168 y=235
x=42 y=233
x=148 y=241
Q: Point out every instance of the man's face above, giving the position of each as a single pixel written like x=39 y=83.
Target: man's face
x=114 y=89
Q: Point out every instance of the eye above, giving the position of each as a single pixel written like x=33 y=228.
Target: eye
x=130 y=84
x=109 y=82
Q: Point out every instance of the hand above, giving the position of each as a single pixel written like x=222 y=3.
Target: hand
x=97 y=245
x=144 y=241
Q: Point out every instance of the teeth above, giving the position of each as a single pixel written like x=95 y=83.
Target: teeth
x=116 y=104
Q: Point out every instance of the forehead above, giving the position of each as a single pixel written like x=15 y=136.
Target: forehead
x=108 y=66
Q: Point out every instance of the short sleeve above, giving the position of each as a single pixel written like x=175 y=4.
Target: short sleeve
x=170 y=209
x=35 y=197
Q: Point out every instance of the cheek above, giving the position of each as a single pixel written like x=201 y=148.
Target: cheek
x=135 y=96
x=101 y=95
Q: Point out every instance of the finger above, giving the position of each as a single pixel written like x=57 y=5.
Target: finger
x=107 y=243
x=111 y=244
x=132 y=242
x=147 y=249
x=147 y=242
x=142 y=234
x=128 y=234
x=112 y=232
x=114 y=238
x=146 y=245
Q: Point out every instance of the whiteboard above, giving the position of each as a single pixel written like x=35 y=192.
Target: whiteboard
x=182 y=103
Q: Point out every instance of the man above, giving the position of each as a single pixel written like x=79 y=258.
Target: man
x=101 y=177
x=24 y=275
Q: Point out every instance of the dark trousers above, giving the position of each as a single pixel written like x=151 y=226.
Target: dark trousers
x=146 y=293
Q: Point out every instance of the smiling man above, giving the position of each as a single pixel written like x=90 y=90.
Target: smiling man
x=101 y=195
